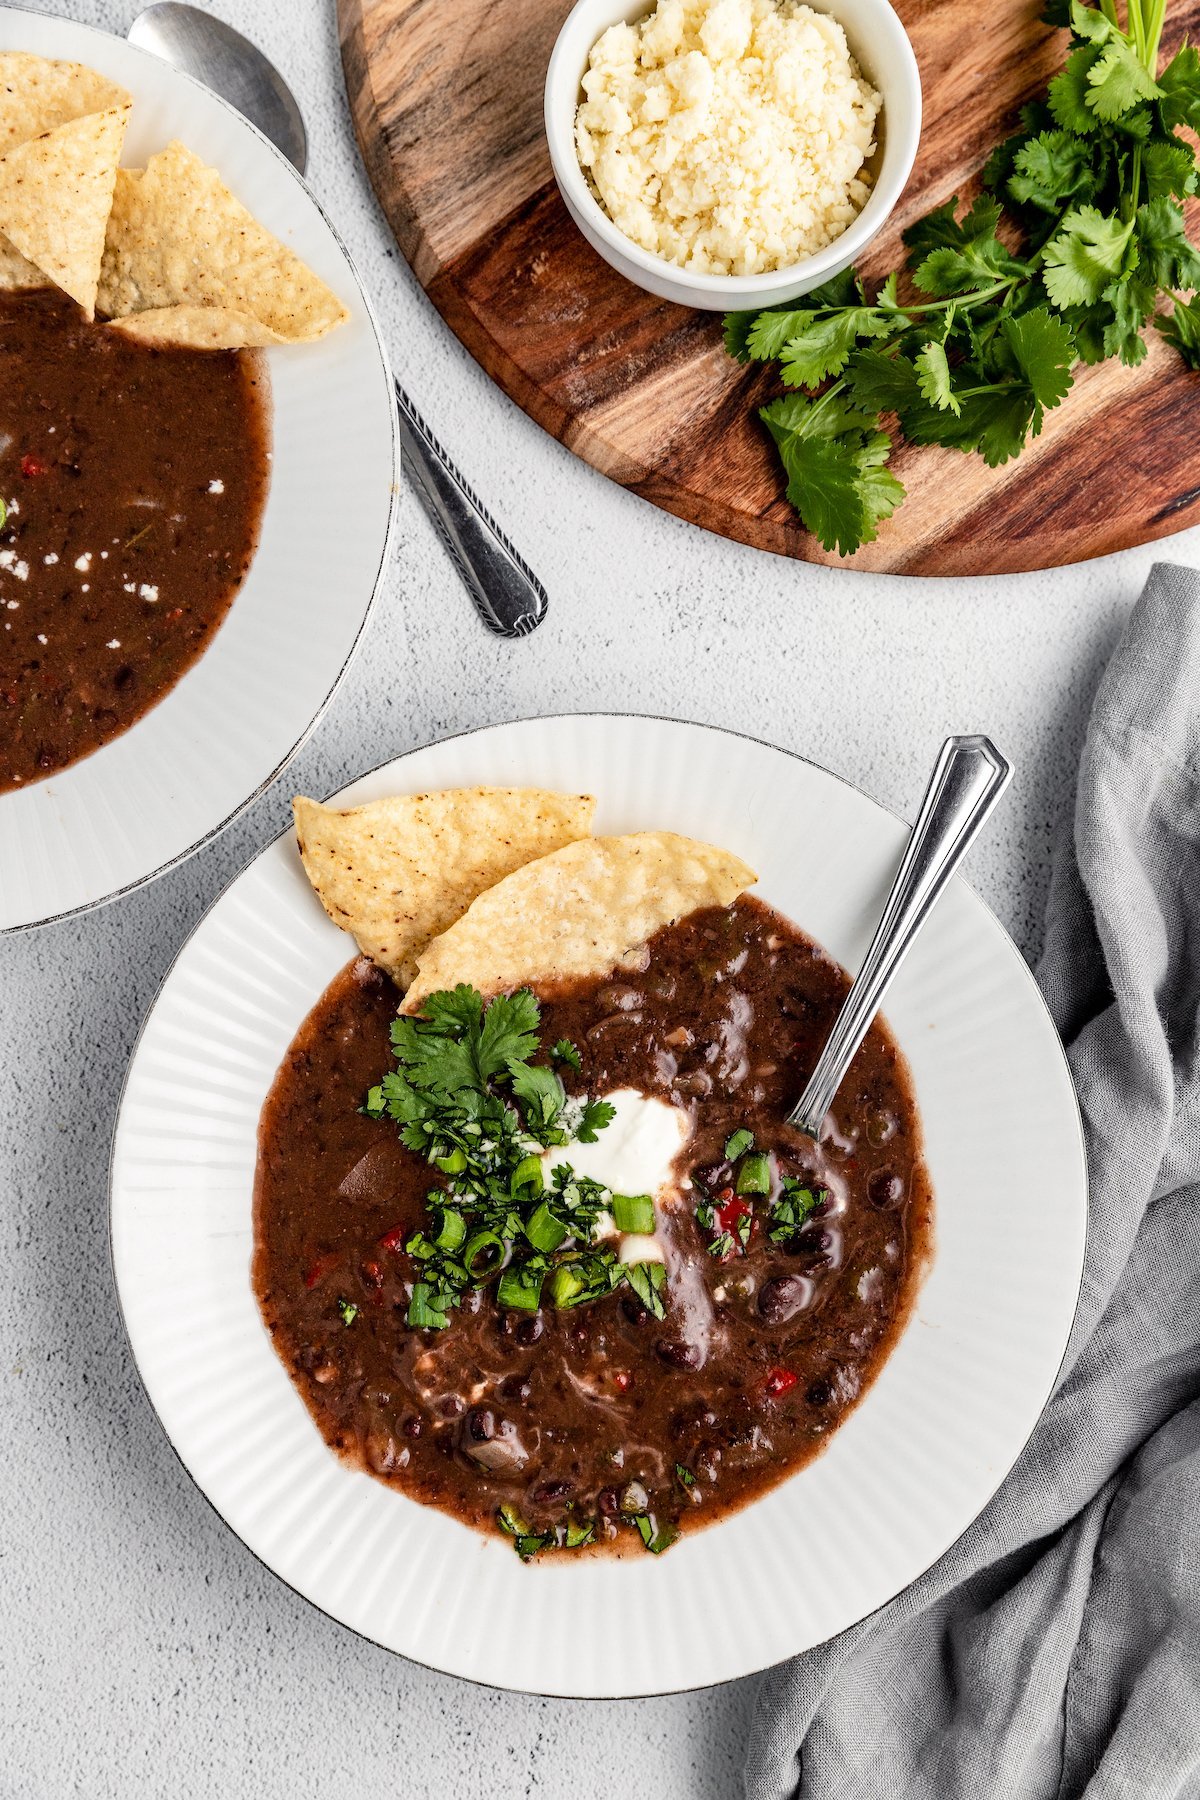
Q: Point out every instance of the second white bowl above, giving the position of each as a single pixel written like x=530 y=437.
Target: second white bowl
x=880 y=46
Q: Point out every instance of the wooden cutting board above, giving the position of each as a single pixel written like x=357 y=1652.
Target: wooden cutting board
x=447 y=104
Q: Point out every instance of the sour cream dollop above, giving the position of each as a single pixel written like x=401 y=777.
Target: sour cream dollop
x=633 y=1154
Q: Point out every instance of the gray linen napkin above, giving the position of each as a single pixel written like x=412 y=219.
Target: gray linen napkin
x=1054 y=1651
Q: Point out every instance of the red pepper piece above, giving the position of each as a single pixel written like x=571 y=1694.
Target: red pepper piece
x=393 y=1239
x=316 y=1270
x=778 y=1382
x=32 y=465
x=372 y=1274
x=732 y=1208
x=623 y=1380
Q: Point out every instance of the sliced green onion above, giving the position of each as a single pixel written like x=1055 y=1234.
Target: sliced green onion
x=452 y=1164
x=483 y=1254
x=656 y=1538
x=580 y=1534
x=348 y=1311
x=452 y=1228
x=565 y=1286
x=527 y=1174
x=544 y=1231
x=633 y=1212
x=520 y=1287
x=685 y=1476
x=754 y=1176
x=738 y=1144
x=426 y=1308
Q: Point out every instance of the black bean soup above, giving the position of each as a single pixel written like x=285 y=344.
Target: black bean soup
x=134 y=480
x=603 y=1410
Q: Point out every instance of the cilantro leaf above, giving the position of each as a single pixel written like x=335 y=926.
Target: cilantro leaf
x=595 y=1116
x=1069 y=93
x=509 y=1034
x=738 y=327
x=1053 y=170
x=822 y=346
x=933 y=378
x=835 y=458
x=1044 y=351
x=1168 y=169
x=880 y=383
x=1082 y=259
x=1179 y=90
x=541 y=1095
x=565 y=1052
x=1164 y=250
x=1118 y=80
x=1181 y=327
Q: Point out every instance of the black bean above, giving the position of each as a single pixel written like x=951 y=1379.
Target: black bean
x=554 y=1489
x=530 y=1330
x=414 y=1426
x=516 y=1387
x=886 y=1189
x=781 y=1298
x=634 y=1311
x=819 y=1394
x=679 y=1354
x=481 y=1424
x=608 y=1503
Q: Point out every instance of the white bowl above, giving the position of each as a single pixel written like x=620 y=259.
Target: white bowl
x=212 y=743
x=906 y=1473
x=881 y=47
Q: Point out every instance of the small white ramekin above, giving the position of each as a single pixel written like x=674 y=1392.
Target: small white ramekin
x=881 y=47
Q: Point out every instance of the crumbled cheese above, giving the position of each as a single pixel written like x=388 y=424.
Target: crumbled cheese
x=83 y=563
x=216 y=487
x=147 y=592
x=15 y=564
x=728 y=136
x=42 y=638
x=114 y=643
x=51 y=559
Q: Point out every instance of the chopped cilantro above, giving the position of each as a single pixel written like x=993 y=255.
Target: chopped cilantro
x=348 y=1310
x=467 y=1095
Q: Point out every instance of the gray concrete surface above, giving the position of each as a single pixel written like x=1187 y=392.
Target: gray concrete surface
x=143 y=1650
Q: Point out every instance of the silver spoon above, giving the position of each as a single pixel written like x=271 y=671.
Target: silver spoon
x=968 y=779
x=509 y=598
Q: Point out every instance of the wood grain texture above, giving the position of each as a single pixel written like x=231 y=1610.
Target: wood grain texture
x=447 y=103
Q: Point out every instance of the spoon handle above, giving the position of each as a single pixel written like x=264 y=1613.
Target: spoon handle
x=968 y=779
x=508 y=596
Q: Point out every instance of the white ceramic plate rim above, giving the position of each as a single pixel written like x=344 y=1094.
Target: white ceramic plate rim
x=1076 y=1203
x=240 y=122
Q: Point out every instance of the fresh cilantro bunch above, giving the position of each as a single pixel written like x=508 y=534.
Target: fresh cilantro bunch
x=468 y=1097
x=1062 y=259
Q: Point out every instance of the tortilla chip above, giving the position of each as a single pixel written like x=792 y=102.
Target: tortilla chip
x=178 y=238
x=17 y=274
x=37 y=95
x=55 y=195
x=581 y=911
x=198 y=328
x=397 y=872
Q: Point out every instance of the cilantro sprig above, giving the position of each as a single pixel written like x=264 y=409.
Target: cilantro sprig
x=1089 y=192
x=467 y=1096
